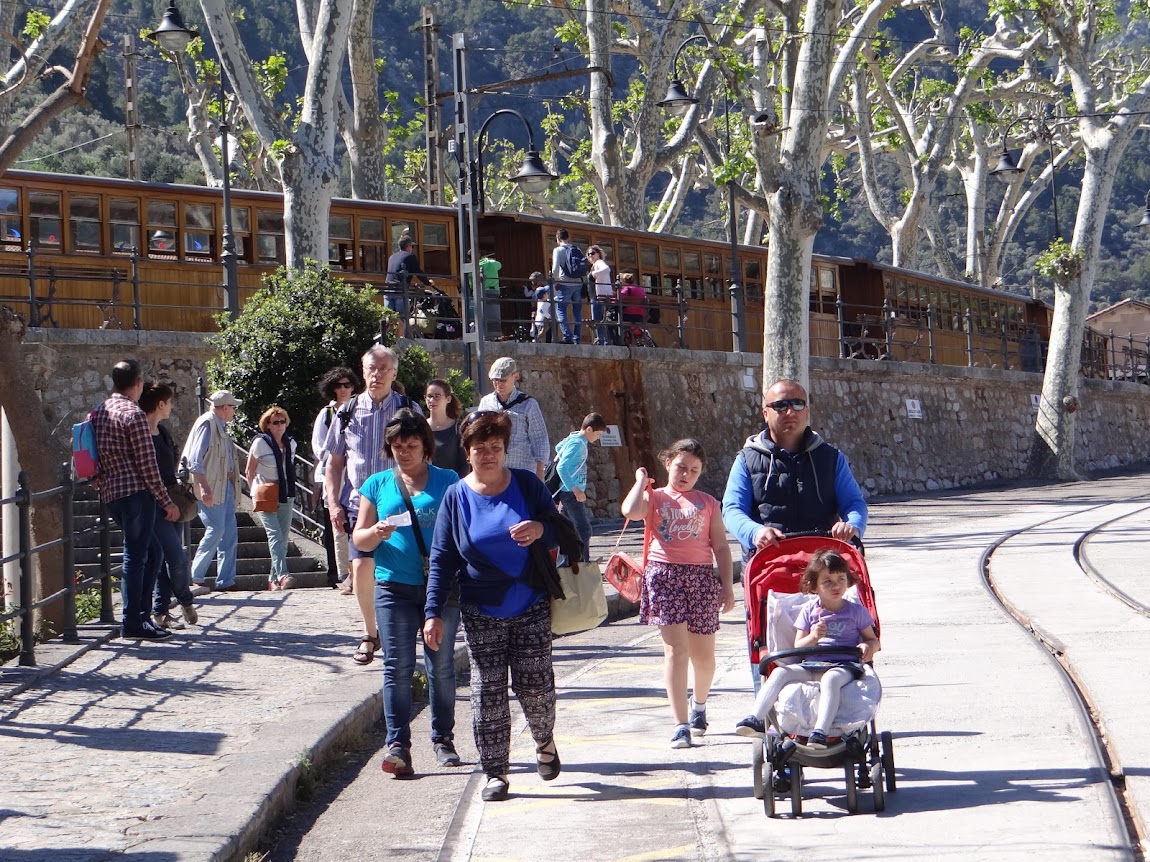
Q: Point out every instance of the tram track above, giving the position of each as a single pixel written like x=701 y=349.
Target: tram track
x=1123 y=807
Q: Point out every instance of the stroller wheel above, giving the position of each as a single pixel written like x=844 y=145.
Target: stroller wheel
x=769 y=802
x=888 y=760
x=796 y=789
x=852 y=789
x=876 y=778
x=757 y=763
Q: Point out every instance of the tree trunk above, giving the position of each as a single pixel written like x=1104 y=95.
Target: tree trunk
x=309 y=184
x=366 y=135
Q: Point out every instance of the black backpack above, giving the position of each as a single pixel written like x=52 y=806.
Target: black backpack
x=575 y=265
x=551 y=477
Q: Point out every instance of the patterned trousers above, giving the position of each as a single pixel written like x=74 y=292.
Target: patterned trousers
x=523 y=644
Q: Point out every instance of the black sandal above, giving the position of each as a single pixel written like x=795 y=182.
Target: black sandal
x=547 y=762
x=366 y=652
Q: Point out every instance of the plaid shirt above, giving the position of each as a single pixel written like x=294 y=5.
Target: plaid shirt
x=126 y=454
x=361 y=441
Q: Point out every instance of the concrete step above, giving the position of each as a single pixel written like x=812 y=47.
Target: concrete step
x=245 y=550
x=91 y=538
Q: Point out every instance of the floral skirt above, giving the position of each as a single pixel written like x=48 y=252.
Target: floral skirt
x=676 y=593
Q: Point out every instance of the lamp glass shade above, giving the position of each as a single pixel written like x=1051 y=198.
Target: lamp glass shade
x=1145 y=223
x=677 y=101
x=1006 y=166
x=533 y=177
x=172 y=35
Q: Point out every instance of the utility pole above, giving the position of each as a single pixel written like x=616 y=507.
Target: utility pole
x=431 y=126
x=469 y=289
x=131 y=115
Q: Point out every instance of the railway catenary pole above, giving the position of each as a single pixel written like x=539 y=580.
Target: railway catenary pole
x=473 y=333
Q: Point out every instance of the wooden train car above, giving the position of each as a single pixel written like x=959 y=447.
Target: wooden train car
x=94 y=252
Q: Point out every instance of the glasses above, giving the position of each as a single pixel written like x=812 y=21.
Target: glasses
x=479 y=414
x=344 y=384
x=785 y=404
x=431 y=396
x=374 y=369
x=278 y=422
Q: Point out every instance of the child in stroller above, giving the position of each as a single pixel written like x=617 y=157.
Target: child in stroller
x=827 y=620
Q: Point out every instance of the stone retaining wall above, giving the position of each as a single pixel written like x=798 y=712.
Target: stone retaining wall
x=977 y=425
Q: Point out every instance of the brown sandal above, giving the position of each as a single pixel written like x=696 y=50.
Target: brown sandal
x=366 y=652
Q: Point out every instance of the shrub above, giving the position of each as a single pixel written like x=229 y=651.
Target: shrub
x=289 y=334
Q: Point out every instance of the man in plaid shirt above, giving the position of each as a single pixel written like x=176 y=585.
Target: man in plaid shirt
x=130 y=486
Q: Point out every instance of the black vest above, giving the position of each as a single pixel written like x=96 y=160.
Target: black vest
x=793 y=492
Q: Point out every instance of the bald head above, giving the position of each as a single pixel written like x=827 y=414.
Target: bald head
x=786 y=412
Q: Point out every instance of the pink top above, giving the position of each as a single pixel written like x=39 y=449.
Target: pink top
x=681 y=526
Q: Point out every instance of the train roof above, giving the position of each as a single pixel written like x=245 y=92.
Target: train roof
x=941 y=280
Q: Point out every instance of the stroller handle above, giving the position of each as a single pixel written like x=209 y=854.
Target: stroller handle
x=795 y=652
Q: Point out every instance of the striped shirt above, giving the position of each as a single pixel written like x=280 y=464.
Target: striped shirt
x=126 y=454
x=360 y=442
x=529 y=441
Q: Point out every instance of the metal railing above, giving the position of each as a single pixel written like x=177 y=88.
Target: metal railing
x=23 y=500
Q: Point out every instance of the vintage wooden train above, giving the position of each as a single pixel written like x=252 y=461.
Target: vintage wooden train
x=94 y=252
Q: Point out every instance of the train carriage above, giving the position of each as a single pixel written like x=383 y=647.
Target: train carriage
x=93 y=252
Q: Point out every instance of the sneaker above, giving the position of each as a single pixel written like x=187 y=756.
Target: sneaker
x=682 y=737
x=752 y=726
x=817 y=739
x=781 y=780
x=397 y=762
x=200 y=589
x=191 y=615
x=167 y=621
x=698 y=719
x=445 y=753
x=346 y=588
x=288 y=583
x=146 y=632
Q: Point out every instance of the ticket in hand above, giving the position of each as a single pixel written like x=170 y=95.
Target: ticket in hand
x=401 y=520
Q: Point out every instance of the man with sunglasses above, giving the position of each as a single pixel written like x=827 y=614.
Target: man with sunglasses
x=787 y=479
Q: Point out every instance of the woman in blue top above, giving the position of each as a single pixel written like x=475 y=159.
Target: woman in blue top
x=386 y=526
x=486 y=525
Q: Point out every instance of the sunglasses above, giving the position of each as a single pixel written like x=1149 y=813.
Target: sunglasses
x=479 y=414
x=344 y=384
x=278 y=422
x=785 y=404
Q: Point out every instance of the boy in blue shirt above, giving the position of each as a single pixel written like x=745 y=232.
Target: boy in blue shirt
x=571 y=465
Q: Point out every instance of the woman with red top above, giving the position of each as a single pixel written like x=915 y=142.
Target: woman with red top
x=681 y=594
x=632 y=299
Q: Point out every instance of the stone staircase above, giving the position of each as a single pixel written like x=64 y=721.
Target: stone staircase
x=306 y=560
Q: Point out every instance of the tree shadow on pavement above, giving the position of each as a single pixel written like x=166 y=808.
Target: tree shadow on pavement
x=118 y=739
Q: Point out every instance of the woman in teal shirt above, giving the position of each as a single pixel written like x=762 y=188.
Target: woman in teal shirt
x=387 y=526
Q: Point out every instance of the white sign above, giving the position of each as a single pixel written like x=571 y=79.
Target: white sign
x=611 y=437
x=1035 y=400
x=913 y=408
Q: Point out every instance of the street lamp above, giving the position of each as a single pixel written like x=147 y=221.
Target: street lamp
x=1007 y=166
x=532 y=178
x=172 y=35
x=1145 y=223
x=678 y=102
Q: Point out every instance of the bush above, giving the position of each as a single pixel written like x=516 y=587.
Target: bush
x=416 y=370
x=288 y=335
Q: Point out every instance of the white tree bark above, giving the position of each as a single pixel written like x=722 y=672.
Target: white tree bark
x=364 y=133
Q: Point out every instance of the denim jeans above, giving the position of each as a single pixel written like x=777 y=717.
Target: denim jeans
x=576 y=513
x=573 y=294
x=603 y=333
x=399 y=612
x=136 y=516
x=172 y=574
x=277 y=525
x=220 y=539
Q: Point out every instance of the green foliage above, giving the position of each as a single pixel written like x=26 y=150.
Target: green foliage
x=290 y=333
x=1060 y=262
x=35 y=24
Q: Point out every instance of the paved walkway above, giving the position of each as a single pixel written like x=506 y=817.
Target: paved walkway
x=184 y=750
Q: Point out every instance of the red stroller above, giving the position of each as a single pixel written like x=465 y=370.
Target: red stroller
x=771 y=583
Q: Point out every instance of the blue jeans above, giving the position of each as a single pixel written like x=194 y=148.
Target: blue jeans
x=277 y=525
x=399 y=612
x=172 y=574
x=136 y=516
x=576 y=513
x=564 y=294
x=603 y=334
x=220 y=539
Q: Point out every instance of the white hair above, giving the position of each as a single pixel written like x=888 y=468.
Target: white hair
x=378 y=351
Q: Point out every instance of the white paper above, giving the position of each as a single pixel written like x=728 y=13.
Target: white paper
x=401 y=520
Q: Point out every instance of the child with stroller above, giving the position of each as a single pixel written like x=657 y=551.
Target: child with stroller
x=681 y=594
x=828 y=619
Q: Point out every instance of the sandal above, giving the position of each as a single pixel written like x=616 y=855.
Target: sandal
x=366 y=652
x=547 y=762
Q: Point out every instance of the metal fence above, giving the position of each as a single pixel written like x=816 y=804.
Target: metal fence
x=23 y=500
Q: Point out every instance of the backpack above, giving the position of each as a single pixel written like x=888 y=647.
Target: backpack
x=575 y=264
x=85 y=461
x=551 y=477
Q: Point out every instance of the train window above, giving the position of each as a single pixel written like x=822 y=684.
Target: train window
x=84 y=224
x=339 y=250
x=714 y=276
x=692 y=263
x=671 y=259
x=125 y=219
x=242 y=232
x=270 y=243
x=608 y=250
x=650 y=257
x=46 y=225
x=436 y=256
x=400 y=227
x=11 y=232
x=199 y=231
x=372 y=251
x=162 y=229
x=627 y=255
x=753 y=271
x=694 y=287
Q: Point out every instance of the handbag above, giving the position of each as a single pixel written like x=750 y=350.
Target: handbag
x=266 y=497
x=585 y=605
x=623 y=571
x=185 y=501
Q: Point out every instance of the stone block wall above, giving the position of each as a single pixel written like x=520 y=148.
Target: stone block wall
x=977 y=425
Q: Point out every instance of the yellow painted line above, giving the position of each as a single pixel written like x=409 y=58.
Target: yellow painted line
x=669 y=854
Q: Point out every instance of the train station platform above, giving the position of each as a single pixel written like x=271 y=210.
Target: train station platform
x=189 y=749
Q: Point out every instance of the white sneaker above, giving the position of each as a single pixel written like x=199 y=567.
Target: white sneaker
x=682 y=737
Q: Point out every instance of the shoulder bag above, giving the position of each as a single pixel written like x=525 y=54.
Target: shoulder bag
x=623 y=571
x=415 y=528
